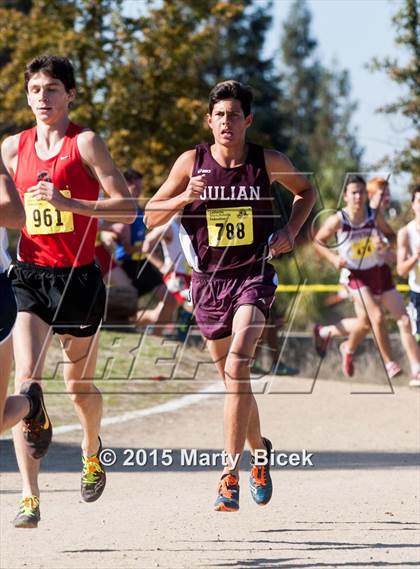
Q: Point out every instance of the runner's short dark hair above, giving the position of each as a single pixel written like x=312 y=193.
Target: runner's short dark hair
x=53 y=65
x=232 y=90
x=415 y=190
x=130 y=174
x=354 y=179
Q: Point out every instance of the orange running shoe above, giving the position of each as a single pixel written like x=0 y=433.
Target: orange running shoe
x=260 y=483
x=228 y=498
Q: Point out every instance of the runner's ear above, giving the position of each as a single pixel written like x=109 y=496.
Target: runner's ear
x=248 y=120
x=71 y=94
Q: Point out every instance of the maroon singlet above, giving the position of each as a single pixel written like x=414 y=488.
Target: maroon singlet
x=229 y=226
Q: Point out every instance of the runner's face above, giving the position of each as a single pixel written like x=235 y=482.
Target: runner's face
x=385 y=199
x=355 y=196
x=48 y=98
x=228 y=123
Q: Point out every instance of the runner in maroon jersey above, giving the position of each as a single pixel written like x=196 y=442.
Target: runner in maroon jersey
x=58 y=168
x=227 y=235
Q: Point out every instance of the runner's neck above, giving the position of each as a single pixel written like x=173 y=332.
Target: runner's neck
x=49 y=138
x=356 y=216
x=229 y=157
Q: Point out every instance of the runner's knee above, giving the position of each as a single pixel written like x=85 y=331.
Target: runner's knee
x=404 y=323
x=78 y=390
x=237 y=367
x=377 y=317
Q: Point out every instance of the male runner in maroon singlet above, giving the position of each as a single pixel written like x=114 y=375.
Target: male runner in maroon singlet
x=227 y=236
x=58 y=168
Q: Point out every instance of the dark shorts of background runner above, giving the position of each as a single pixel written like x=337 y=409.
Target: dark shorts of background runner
x=71 y=300
x=378 y=279
x=8 y=307
x=217 y=298
x=144 y=275
x=415 y=303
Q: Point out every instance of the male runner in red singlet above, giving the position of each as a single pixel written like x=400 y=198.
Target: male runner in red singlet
x=224 y=192
x=58 y=168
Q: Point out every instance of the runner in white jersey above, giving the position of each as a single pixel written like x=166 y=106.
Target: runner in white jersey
x=408 y=255
x=12 y=215
x=379 y=200
x=360 y=250
x=173 y=266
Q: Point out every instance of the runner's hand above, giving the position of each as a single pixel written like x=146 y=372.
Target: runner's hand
x=195 y=188
x=282 y=241
x=48 y=192
x=339 y=263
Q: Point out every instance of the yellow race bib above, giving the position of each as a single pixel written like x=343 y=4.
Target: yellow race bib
x=42 y=218
x=362 y=249
x=230 y=226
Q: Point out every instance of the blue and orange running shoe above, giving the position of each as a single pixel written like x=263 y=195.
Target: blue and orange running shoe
x=260 y=483
x=228 y=498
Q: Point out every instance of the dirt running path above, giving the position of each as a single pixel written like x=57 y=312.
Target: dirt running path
x=358 y=506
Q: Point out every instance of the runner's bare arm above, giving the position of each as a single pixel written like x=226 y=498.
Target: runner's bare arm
x=281 y=170
x=155 y=236
x=12 y=213
x=96 y=157
x=385 y=228
x=9 y=153
x=178 y=190
x=322 y=237
x=405 y=261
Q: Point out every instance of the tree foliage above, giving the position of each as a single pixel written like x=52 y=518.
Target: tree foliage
x=407 y=75
x=143 y=81
x=317 y=100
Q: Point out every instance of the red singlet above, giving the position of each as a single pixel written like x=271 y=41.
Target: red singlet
x=50 y=237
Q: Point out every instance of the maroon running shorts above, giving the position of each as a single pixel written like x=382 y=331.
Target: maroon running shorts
x=217 y=297
x=378 y=279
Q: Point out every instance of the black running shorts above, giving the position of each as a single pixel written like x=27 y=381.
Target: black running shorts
x=144 y=275
x=71 y=300
x=8 y=308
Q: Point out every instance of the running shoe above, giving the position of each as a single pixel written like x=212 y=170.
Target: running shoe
x=260 y=483
x=415 y=380
x=347 y=360
x=28 y=515
x=392 y=369
x=93 y=476
x=37 y=428
x=228 y=498
x=320 y=343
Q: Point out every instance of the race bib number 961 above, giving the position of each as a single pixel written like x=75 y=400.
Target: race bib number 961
x=42 y=218
x=230 y=226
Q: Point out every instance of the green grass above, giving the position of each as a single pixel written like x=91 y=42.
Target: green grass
x=127 y=368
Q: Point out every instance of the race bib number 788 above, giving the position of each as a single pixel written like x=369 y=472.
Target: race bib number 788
x=230 y=226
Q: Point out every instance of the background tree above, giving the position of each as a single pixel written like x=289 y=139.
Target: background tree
x=317 y=102
x=407 y=75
